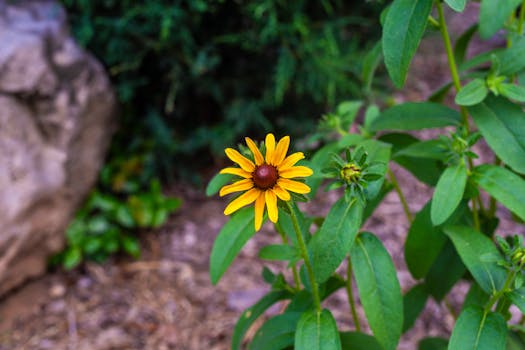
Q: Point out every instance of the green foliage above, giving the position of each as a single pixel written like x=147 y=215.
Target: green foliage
x=451 y=238
x=108 y=222
x=192 y=76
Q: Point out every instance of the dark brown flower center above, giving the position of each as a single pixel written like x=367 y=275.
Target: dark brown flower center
x=265 y=176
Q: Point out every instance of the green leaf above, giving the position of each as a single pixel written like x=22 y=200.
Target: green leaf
x=416 y=116
x=276 y=333
x=457 y=5
x=475 y=297
x=423 y=244
x=331 y=244
x=232 y=237
x=430 y=149
x=448 y=193
x=514 y=92
x=379 y=289
x=131 y=246
x=404 y=27
x=425 y=170
x=251 y=314
x=472 y=93
x=461 y=45
x=479 y=330
x=72 y=258
x=446 y=271
x=517 y=297
x=370 y=63
x=493 y=14
x=217 y=182
x=347 y=110
x=414 y=302
x=317 y=330
x=279 y=252
x=502 y=184
x=358 y=341
x=433 y=343
x=471 y=246
x=501 y=124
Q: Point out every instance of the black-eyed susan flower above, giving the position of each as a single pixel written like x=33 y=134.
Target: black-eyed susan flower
x=265 y=178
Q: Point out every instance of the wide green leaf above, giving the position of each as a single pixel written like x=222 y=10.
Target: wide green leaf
x=501 y=124
x=358 y=341
x=448 y=193
x=457 y=5
x=278 y=252
x=425 y=170
x=433 y=343
x=517 y=297
x=446 y=271
x=475 y=296
x=510 y=59
x=423 y=244
x=514 y=92
x=379 y=289
x=461 y=45
x=252 y=313
x=416 y=116
x=493 y=14
x=472 y=93
x=502 y=184
x=276 y=333
x=232 y=237
x=403 y=29
x=429 y=149
x=476 y=329
x=317 y=330
x=331 y=244
x=472 y=246
x=217 y=182
x=414 y=302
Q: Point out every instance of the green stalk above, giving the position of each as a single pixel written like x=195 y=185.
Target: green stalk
x=350 y=294
x=306 y=258
x=457 y=84
x=296 y=279
x=521 y=18
x=400 y=195
x=494 y=299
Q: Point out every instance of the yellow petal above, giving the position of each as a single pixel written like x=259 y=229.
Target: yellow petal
x=281 y=193
x=296 y=171
x=294 y=186
x=270 y=148
x=271 y=202
x=241 y=185
x=242 y=200
x=259 y=210
x=259 y=159
x=280 y=150
x=290 y=161
x=245 y=163
x=236 y=171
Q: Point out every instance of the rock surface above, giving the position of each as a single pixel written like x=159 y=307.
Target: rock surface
x=57 y=113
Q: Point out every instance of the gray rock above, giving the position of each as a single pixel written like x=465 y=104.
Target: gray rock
x=57 y=114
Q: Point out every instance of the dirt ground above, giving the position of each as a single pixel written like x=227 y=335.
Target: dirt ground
x=165 y=299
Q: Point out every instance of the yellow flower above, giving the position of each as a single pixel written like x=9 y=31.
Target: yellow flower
x=266 y=178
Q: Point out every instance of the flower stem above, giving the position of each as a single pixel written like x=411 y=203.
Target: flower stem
x=401 y=196
x=285 y=240
x=494 y=299
x=521 y=18
x=350 y=294
x=457 y=84
x=306 y=258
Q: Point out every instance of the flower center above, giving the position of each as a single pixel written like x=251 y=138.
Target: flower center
x=265 y=176
x=351 y=173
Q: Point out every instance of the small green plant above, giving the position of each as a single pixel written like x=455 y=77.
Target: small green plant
x=450 y=239
x=114 y=213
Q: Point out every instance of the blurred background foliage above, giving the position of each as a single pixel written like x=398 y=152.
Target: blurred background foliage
x=192 y=77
